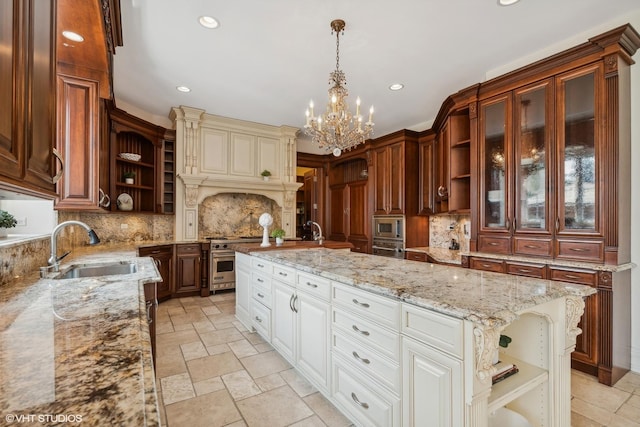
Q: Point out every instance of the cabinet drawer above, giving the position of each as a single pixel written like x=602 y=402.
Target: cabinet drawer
x=580 y=250
x=442 y=332
x=529 y=270
x=261 y=295
x=589 y=278
x=261 y=280
x=188 y=249
x=496 y=245
x=379 y=309
x=362 y=398
x=155 y=250
x=487 y=265
x=262 y=265
x=314 y=285
x=359 y=245
x=385 y=341
x=536 y=247
x=416 y=256
x=284 y=274
x=261 y=319
x=384 y=370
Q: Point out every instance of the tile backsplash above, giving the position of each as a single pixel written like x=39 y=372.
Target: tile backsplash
x=444 y=228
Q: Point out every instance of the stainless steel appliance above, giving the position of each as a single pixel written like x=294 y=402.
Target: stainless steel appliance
x=388 y=248
x=222 y=261
x=388 y=227
x=389 y=236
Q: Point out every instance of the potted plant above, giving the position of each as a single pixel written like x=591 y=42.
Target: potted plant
x=504 y=342
x=265 y=174
x=6 y=221
x=128 y=177
x=278 y=233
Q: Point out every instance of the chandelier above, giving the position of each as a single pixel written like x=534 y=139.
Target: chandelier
x=337 y=129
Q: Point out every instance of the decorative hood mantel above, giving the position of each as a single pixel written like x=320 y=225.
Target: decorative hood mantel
x=221 y=155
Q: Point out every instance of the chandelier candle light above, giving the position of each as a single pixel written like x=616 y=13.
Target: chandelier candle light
x=337 y=129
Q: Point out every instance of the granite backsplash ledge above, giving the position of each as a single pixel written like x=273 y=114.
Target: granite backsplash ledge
x=23 y=258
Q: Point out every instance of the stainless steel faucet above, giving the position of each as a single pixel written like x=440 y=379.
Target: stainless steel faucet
x=54 y=260
x=316 y=236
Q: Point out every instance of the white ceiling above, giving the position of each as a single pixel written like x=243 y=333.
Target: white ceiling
x=269 y=58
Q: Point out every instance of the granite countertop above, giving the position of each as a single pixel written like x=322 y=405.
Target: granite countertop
x=290 y=244
x=79 y=349
x=442 y=255
x=553 y=262
x=490 y=299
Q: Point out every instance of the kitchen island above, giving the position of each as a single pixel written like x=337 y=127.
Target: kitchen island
x=78 y=351
x=395 y=342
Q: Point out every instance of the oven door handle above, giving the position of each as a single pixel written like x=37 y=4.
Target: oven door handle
x=387 y=249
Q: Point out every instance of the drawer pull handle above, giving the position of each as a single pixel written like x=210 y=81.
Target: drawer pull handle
x=157 y=251
x=313 y=285
x=282 y=274
x=258 y=319
x=149 y=307
x=355 y=399
x=493 y=244
x=579 y=249
x=532 y=247
x=260 y=295
x=524 y=270
x=361 y=304
x=365 y=333
x=259 y=280
x=357 y=356
x=260 y=265
x=571 y=276
x=487 y=265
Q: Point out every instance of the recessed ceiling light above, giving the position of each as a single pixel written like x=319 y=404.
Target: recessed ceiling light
x=208 y=22
x=75 y=37
x=183 y=89
x=507 y=2
x=396 y=86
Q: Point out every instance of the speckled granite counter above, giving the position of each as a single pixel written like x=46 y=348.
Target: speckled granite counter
x=290 y=244
x=490 y=299
x=78 y=349
x=441 y=255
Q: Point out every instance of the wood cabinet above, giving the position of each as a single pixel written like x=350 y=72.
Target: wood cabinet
x=395 y=160
x=349 y=204
x=163 y=257
x=188 y=259
x=427 y=156
x=130 y=135
x=78 y=143
x=27 y=96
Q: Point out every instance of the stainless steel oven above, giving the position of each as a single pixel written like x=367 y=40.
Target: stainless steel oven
x=222 y=261
x=388 y=248
x=388 y=227
x=222 y=270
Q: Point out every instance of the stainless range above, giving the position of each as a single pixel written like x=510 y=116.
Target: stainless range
x=222 y=271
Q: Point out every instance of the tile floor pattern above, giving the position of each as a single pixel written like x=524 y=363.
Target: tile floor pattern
x=212 y=372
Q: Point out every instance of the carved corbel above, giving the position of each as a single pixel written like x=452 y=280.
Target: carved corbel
x=289 y=199
x=486 y=344
x=191 y=195
x=574 y=311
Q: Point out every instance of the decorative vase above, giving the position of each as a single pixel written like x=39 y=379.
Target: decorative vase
x=265 y=178
x=128 y=180
x=4 y=232
x=279 y=241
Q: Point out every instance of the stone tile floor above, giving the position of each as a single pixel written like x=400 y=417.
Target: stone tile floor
x=212 y=372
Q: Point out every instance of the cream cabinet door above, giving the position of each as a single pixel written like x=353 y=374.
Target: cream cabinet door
x=432 y=387
x=243 y=289
x=313 y=339
x=283 y=320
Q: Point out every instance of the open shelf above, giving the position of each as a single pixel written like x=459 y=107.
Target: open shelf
x=509 y=389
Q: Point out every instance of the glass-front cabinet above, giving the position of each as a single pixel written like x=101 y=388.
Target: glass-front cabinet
x=539 y=169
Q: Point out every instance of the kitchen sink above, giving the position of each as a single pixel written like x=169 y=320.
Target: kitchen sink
x=94 y=270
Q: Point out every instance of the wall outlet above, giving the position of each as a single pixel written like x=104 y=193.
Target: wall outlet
x=124 y=226
x=21 y=222
x=466 y=227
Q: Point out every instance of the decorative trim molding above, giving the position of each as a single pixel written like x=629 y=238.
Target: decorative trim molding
x=574 y=310
x=486 y=343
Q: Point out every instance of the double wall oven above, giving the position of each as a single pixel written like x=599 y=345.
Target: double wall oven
x=389 y=235
x=222 y=261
